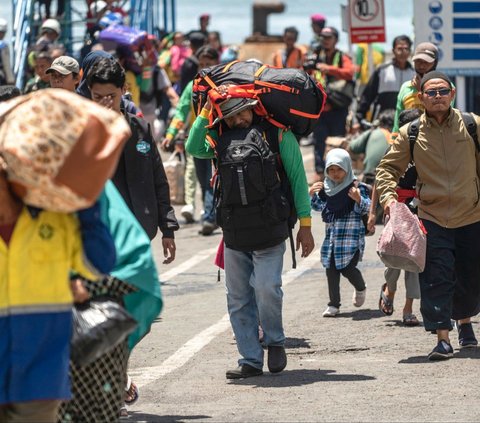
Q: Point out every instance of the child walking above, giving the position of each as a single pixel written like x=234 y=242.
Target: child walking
x=342 y=202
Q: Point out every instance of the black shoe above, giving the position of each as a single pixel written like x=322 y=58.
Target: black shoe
x=466 y=337
x=244 y=371
x=277 y=358
x=443 y=351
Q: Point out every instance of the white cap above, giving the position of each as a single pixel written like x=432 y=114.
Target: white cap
x=3 y=25
x=51 y=24
x=98 y=6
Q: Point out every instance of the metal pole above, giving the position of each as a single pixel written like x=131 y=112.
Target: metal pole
x=173 y=15
x=370 y=60
x=165 y=15
x=461 y=93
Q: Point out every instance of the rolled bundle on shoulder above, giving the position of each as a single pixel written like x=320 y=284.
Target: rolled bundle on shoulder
x=60 y=148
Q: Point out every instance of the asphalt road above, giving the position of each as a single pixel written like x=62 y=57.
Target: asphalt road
x=360 y=366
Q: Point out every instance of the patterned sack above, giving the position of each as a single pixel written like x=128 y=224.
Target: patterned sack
x=403 y=242
x=60 y=148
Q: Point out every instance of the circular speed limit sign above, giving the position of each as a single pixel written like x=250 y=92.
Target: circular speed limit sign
x=366 y=21
x=365 y=10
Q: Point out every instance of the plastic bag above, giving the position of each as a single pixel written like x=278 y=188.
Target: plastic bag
x=175 y=171
x=99 y=325
x=403 y=242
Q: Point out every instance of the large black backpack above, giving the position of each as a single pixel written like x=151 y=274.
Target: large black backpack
x=288 y=98
x=253 y=208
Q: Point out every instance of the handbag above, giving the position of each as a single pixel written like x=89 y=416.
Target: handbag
x=99 y=325
x=403 y=242
x=340 y=93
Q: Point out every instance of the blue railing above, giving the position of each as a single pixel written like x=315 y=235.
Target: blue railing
x=22 y=12
x=145 y=14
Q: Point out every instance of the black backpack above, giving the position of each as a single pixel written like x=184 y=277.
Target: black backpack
x=468 y=120
x=254 y=203
x=288 y=97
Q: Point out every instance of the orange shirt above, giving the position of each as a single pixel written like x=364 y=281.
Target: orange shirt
x=294 y=60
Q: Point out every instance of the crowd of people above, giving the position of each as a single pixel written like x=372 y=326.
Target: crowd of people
x=401 y=120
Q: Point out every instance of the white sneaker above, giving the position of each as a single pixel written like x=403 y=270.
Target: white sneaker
x=188 y=213
x=331 y=311
x=359 y=297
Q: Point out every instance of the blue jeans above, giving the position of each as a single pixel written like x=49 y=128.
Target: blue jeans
x=203 y=169
x=254 y=295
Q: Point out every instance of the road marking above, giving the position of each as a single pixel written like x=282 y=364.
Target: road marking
x=146 y=375
x=186 y=265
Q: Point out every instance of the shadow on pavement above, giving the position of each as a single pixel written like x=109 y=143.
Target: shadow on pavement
x=144 y=417
x=301 y=377
x=468 y=353
x=392 y=323
x=363 y=314
x=297 y=343
x=462 y=354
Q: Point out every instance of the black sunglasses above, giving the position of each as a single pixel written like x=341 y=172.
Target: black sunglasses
x=442 y=92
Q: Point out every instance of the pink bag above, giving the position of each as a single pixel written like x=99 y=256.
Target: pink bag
x=403 y=242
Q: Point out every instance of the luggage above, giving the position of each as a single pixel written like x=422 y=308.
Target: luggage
x=403 y=242
x=60 y=148
x=131 y=43
x=288 y=98
x=252 y=210
x=175 y=171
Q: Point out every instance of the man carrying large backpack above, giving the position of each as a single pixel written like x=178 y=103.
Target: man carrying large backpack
x=254 y=215
x=447 y=159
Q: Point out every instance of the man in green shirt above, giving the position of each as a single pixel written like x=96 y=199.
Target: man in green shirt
x=373 y=144
x=425 y=59
x=254 y=275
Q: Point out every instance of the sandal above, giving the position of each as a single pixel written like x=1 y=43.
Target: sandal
x=384 y=303
x=410 y=320
x=131 y=392
x=124 y=412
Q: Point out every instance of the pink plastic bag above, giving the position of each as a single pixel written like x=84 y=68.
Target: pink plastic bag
x=220 y=257
x=403 y=242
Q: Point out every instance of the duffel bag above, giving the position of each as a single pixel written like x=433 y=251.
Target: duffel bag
x=288 y=98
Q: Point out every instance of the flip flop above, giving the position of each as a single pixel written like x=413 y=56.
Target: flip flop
x=387 y=304
x=410 y=320
x=131 y=392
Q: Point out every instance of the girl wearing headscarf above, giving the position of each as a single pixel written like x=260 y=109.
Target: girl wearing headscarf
x=342 y=201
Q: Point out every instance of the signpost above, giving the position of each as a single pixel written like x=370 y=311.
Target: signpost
x=367 y=21
x=454 y=27
x=366 y=24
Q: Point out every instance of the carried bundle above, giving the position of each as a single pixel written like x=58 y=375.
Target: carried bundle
x=59 y=149
x=288 y=98
x=133 y=44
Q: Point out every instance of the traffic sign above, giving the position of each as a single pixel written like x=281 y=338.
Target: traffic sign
x=454 y=27
x=367 y=21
